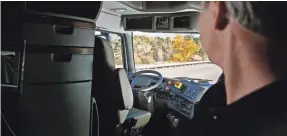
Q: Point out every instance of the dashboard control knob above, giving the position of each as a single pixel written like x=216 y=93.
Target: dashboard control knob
x=175 y=122
x=170 y=117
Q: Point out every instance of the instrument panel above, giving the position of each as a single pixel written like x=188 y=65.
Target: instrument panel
x=181 y=95
x=190 y=91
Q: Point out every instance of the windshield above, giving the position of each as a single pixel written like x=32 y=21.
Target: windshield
x=173 y=55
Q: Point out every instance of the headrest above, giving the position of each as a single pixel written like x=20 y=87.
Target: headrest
x=104 y=53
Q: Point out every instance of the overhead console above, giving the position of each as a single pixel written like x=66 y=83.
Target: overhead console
x=163 y=22
x=163 y=6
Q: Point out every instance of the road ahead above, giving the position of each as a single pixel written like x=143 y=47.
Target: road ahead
x=206 y=71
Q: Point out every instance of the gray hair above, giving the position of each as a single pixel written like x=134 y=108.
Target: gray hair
x=243 y=12
x=262 y=17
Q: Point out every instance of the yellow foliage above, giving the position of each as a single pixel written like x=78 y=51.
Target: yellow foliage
x=184 y=49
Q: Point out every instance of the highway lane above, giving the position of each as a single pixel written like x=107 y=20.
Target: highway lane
x=205 y=71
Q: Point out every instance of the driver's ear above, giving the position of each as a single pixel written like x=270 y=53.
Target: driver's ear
x=220 y=14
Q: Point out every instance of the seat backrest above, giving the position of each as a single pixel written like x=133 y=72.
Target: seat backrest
x=126 y=98
x=110 y=88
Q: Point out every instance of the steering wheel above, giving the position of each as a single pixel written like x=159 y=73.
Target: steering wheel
x=142 y=83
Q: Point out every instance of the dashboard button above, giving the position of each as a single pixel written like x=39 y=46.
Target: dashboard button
x=193 y=94
x=167 y=88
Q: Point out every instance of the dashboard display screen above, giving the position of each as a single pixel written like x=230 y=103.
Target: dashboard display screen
x=177 y=85
x=180 y=87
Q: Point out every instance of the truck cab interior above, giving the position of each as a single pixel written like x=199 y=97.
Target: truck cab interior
x=104 y=68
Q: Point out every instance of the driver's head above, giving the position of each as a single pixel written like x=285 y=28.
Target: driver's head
x=234 y=29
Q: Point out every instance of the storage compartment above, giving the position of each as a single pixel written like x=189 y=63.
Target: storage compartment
x=138 y=23
x=52 y=68
x=181 y=22
x=56 y=110
x=45 y=34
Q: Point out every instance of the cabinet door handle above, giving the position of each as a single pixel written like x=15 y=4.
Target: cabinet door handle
x=67 y=30
x=58 y=57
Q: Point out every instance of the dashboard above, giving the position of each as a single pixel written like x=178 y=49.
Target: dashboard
x=181 y=95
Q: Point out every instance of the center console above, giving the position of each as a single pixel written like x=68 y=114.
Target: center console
x=181 y=95
x=182 y=106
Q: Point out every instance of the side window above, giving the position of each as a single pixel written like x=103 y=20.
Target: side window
x=9 y=68
x=116 y=43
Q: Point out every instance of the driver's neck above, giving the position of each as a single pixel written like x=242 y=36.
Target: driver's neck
x=245 y=67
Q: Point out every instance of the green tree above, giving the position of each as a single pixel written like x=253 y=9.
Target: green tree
x=188 y=37
x=197 y=40
x=201 y=52
x=144 y=49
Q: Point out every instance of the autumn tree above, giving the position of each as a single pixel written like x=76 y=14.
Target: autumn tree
x=144 y=49
x=152 y=49
x=185 y=48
